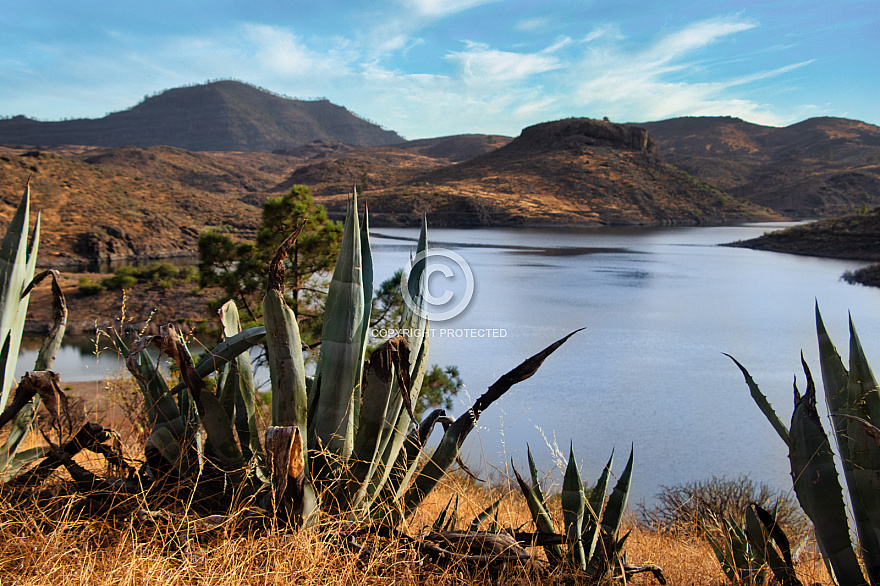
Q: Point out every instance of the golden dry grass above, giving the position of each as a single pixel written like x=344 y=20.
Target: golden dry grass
x=53 y=546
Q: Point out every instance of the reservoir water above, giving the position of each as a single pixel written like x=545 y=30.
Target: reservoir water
x=659 y=307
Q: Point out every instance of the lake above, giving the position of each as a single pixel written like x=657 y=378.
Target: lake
x=659 y=306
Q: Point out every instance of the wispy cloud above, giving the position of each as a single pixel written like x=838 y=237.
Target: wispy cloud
x=479 y=86
x=441 y=8
x=480 y=64
x=650 y=82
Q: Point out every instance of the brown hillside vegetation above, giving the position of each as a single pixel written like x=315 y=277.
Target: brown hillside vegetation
x=818 y=167
x=575 y=171
x=125 y=203
x=124 y=209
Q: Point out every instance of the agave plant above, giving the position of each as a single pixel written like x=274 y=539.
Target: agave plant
x=853 y=400
x=18 y=259
x=591 y=525
x=342 y=440
x=746 y=553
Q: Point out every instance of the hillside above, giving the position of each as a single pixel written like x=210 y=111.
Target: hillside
x=815 y=168
x=105 y=204
x=219 y=116
x=575 y=171
x=133 y=203
x=853 y=236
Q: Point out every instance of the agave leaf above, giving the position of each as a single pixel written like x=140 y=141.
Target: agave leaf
x=440 y=521
x=45 y=361
x=862 y=471
x=387 y=363
x=721 y=554
x=835 y=379
x=367 y=277
x=160 y=405
x=17 y=265
x=448 y=450
x=52 y=342
x=453 y=517
x=573 y=505
x=762 y=532
x=536 y=480
x=595 y=506
x=342 y=344
x=225 y=351
x=394 y=467
x=817 y=486
x=762 y=402
x=483 y=515
x=413 y=318
x=541 y=517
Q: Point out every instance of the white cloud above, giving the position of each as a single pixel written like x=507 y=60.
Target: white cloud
x=650 y=83
x=530 y=25
x=442 y=8
x=607 y=31
x=483 y=88
x=480 y=64
x=696 y=36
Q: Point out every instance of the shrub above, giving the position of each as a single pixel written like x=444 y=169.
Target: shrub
x=88 y=287
x=695 y=506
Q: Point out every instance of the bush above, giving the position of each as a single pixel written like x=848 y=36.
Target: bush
x=698 y=506
x=87 y=287
x=162 y=275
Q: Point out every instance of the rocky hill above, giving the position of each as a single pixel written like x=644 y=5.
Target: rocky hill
x=816 y=168
x=853 y=236
x=219 y=116
x=575 y=171
x=123 y=203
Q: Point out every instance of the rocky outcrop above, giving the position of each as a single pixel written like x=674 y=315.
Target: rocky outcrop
x=583 y=132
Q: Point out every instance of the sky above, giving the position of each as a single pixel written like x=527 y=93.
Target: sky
x=428 y=68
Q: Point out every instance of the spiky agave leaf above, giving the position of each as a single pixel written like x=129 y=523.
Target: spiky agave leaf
x=10 y=459
x=239 y=390
x=762 y=402
x=766 y=536
x=862 y=471
x=483 y=515
x=541 y=517
x=573 y=505
x=594 y=509
x=18 y=258
x=817 y=487
x=287 y=373
x=386 y=375
x=448 y=450
x=342 y=345
x=536 y=480
x=611 y=519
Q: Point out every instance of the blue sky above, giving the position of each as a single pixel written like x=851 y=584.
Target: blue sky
x=438 y=67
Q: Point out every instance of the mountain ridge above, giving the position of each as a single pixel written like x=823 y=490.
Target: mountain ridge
x=814 y=168
x=218 y=116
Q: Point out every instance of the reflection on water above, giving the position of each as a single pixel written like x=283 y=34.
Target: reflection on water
x=660 y=305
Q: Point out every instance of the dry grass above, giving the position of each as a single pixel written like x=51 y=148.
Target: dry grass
x=52 y=545
x=56 y=543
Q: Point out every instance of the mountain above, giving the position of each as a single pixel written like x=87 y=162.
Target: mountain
x=575 y=172
x=218 y=116
x=815 y=168
x=125 y=203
